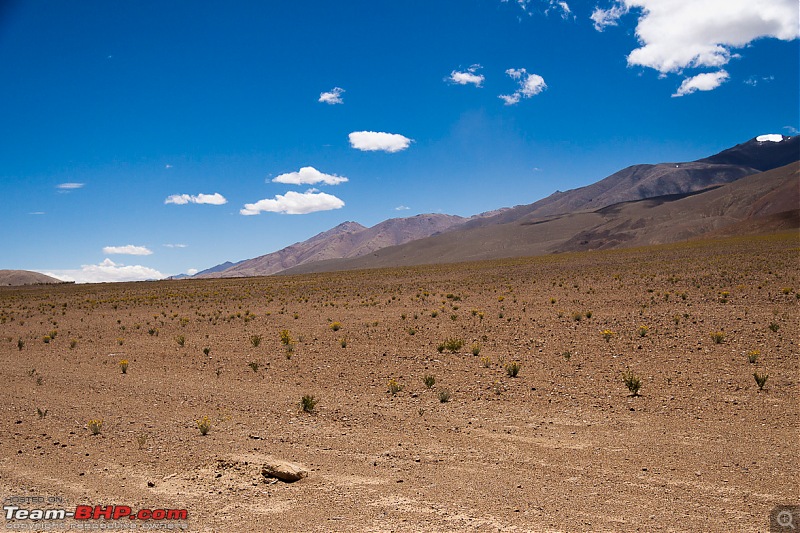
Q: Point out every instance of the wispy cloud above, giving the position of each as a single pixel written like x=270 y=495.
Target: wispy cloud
x=402 y=208
x=558 y=6
x=294 y=203
x=37 y=213
x=107 y=271
x=707 y=81
x=529 y=85
x=374 y=141
x=128 y=249
x=176 y=245
x=467 y=77
x=334 y=96
x=69 y=187
x=309 y=176
x=182 y=199
x=682 y=34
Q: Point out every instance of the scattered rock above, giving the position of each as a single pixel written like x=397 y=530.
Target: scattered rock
x=283 y=470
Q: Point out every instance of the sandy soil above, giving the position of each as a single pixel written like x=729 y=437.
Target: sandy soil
x=563 y=446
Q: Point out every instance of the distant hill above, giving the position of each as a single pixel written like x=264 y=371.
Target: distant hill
x=14 y=278
x=349 y=239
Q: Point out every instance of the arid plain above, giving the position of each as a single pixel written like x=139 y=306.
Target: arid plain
x=563 y=446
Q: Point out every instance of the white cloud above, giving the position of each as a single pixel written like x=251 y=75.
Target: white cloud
x=107 y=271
x=182 y=199
x=529 y=85
x=129 y=249
x=192 y=271
x=334 y=96
x=707 y=81
x=792 y=130
x=176 y=245
x=402 y=208
x=309 y=176
x=66 y=187
x=467 y=77
x=603 y=18
x=679 y=34
x=372 y=141
x=294 y=203
x=37 y=213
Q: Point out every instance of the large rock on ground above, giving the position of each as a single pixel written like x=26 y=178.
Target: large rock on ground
x=283 y=470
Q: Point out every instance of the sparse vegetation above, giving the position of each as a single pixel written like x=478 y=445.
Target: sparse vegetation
x=607 y=334
x=632 y=381
x=255 y=340
x=394 y=386
x=181 y=340
x=761 y=379
x=643 y=330
x=308 y=403
x=718 y=337
x=476 y=349
x=429 y=380
x=95 y=426
x=336 y=326
x=254 y=366
x=123 y=366
x=774 y=327
x=512 y=369
x=752 y=356
x=453 y=344
x=444 y=395
x=204 y=425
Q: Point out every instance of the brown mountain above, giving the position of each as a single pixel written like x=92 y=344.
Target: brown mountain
x=647 y=181
x=15 y=278
x=758 y=203
x=347 y=240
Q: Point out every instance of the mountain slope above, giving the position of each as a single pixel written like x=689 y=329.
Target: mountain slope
x=759 y=202
x=346 y=240
x=646 y=181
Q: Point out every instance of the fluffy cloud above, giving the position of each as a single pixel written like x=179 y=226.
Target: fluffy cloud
x=334 y=96
x=182 y=199
x=373 y=141
x=294 y=203
x=681 y=34
x=107 y=271
x=467 y=77
x=402 y=208
x=707 y=81
x=129 y=249
x=192 y=271
x=529 y=85
x=309 y=176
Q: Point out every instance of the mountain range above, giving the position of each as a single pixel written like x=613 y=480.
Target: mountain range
x=751 y=187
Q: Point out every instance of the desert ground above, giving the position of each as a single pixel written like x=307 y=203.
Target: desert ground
x=563 y=446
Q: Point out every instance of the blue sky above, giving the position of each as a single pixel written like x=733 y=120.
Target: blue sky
x=145 y=139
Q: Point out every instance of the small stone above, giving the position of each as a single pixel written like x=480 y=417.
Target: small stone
x=283 y=470
x=151 y=484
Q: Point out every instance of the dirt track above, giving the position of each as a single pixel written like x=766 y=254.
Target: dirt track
x=561 y=447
